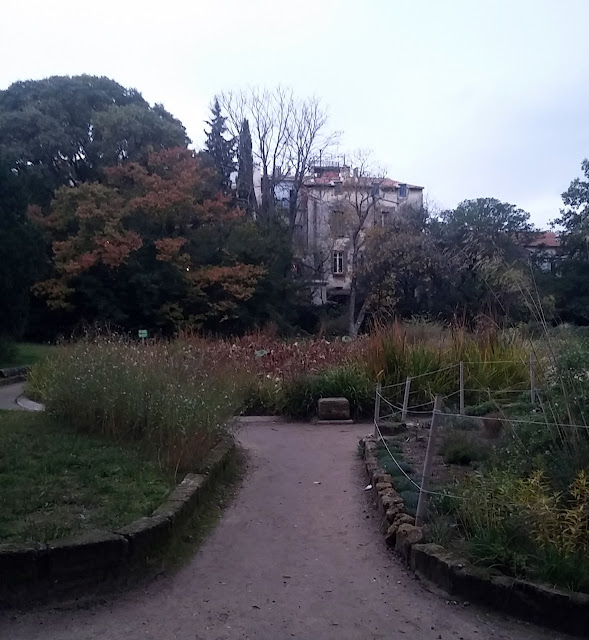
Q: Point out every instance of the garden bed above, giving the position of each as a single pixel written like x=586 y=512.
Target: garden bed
x=80 y=516
x=56 y=482
x=453 y=573
x=494 y=495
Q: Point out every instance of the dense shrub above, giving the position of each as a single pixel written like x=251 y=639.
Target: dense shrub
x=463 y=447
x=301 y=395
x=168 y=400
x=523 y=527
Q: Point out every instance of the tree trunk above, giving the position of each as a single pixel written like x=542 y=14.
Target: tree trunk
x=352 y=332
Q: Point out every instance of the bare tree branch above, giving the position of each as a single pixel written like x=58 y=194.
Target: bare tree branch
x=287 y=133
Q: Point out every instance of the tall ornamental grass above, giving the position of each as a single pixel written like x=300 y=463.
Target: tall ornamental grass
x=167 y=399
x=493 y=361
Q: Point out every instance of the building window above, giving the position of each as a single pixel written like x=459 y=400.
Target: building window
x=338 y=262
x=337 y=223
x=384 y=219
x=402 y=191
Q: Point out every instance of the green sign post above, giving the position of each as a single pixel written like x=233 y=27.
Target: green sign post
x=143 y=334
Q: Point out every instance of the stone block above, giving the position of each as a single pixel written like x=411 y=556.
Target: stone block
x=23 y=573
x=400 y=519
x=434 y=563
x=334 y=409
x=407 y=536
x=216 y=459
x=86 y=559
x=183 y=500
x=146 y=536
x=20 y=562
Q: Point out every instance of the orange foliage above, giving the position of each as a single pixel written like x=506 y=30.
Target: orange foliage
x=158 y=205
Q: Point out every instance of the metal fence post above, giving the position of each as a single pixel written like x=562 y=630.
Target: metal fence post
x=406 y=399
x=377 y=408
x=427 y=465
x=461 y=388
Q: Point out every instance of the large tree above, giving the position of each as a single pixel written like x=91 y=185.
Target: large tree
x=570 y=284
x=484 y=238
x=219 y=148
x=65 y=130
x=147 y=247
x=21 y=254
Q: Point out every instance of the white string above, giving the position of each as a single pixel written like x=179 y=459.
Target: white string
x=421 y=375
x=431 y=493
x=544 y=424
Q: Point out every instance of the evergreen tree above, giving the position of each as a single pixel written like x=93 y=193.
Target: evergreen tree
x=245 y=175
x=219 y=149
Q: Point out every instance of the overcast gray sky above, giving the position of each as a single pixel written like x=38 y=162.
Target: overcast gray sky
x=466 y=97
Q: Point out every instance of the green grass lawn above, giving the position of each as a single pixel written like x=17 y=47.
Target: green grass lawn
x=28 y=353
x=55 y=482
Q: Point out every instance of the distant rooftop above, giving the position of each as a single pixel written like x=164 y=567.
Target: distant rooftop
x=547 y=239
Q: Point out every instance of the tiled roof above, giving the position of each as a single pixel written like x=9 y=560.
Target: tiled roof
x=331 y=179
x=547 y=239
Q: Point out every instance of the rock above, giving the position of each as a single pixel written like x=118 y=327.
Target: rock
x=407 y=536
x=400 y=519
x=334 y=409
x=390 y=502
x=393 y=511
x=382 y=476
x=384 y=486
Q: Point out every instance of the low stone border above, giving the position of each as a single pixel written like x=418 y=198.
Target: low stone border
x=14 y=372
x=12 y=375
x=29 y=405
x=563 y=610
x=41 y=572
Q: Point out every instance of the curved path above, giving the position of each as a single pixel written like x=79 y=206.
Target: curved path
x=8 y=395
x=297 y=555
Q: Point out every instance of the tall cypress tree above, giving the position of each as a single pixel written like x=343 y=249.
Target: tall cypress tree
x=220 y=150
x=245 y=174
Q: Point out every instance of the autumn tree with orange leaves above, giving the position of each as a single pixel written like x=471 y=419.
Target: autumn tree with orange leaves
x=149 y=246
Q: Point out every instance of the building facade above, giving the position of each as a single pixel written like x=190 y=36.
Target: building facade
x=337 y=206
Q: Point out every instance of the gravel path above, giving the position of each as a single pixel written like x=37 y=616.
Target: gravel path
x=297 y=555
x=8 y=395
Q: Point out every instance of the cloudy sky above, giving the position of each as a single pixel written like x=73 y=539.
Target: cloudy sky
x=466 y=97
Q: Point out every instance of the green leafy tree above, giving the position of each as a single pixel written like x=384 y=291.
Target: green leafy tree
x=570 y=284
x=484 y=240
x=219 y=148
x=245 y=176
x=65 y=130
x=21 y=254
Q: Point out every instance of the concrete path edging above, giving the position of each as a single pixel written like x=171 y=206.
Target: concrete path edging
x=29 y=405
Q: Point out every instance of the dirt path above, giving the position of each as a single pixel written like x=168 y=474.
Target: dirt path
x=9 y=394
x=289 y=559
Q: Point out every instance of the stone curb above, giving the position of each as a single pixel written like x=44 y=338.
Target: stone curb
x=562 y=610
x=11 y=373
x=5 y=382
x=29 y=405
x=41 y=572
